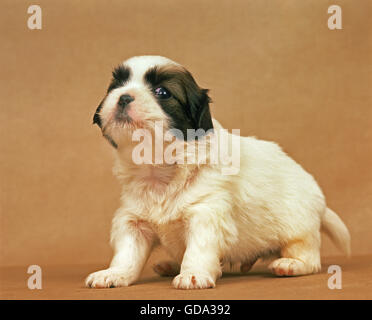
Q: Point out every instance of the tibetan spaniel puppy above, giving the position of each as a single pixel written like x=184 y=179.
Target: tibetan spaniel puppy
x=269 y=208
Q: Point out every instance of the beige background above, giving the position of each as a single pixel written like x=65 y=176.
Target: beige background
x=274 y=69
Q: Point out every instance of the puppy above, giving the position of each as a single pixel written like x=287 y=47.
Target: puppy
x=204 y=219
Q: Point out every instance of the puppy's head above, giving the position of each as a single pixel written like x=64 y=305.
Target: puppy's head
x=146 y=90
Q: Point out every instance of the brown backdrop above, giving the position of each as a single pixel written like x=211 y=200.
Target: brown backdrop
x=274 y=69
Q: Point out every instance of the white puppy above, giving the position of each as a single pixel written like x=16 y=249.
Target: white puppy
x=203 y=218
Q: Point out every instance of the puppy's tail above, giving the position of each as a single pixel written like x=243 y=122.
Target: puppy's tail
x=333 y=226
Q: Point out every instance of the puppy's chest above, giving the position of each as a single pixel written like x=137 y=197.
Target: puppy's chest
x=159 y=212
x=161 y=208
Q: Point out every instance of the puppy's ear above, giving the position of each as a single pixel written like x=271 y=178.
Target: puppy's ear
x=198 y=101
x=96 y=117
x=203 y=118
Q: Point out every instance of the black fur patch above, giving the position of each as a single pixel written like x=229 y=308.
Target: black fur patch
x=120 y=76
x=188 y=106
x=96 y=117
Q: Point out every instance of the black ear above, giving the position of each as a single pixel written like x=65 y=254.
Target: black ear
x=96 y=117
x=198 y=101
x=203 y=116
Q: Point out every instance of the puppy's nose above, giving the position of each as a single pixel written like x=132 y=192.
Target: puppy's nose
x=124 y=100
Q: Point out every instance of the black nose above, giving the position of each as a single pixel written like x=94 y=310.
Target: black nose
x=124 y=100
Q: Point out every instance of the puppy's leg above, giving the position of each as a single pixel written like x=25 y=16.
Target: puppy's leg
x=132 y=240
x=167 y=268
x=299 y=257
x=201 y=264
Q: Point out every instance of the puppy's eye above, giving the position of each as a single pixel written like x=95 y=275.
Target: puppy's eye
x=162 y=93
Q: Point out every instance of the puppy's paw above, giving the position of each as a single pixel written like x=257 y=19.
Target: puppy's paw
x=288 y=267
x=109 y=278
x=167 y=268
x=193 y=280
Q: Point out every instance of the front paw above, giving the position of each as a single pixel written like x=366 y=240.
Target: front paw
x=109 y=278
x=193 y=280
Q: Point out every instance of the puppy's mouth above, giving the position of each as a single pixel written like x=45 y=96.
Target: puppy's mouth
x=122 y=116
x=121 y=123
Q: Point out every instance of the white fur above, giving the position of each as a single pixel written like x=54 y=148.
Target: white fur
x=205 y=219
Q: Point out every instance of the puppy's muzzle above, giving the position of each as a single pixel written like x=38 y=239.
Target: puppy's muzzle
x=121 y=109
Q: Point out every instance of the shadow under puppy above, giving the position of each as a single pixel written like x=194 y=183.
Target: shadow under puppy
x=203 y=218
